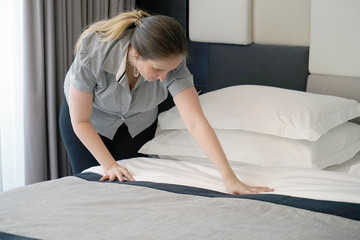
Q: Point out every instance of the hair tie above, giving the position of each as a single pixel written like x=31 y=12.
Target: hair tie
x=138 y=21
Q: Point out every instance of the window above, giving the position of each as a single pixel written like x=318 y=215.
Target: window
x=11 y=97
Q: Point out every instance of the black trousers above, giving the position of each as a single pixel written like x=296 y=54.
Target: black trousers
x=121 y=147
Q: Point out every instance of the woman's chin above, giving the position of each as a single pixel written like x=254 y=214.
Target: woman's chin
x=150 y=79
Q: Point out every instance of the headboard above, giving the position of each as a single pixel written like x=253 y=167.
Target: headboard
x=264 y=42
x=217 y=65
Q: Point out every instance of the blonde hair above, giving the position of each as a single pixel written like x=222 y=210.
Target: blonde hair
x=114 y=28
x=153 y=37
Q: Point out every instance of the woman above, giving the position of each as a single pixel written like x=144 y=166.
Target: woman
x=123 y=69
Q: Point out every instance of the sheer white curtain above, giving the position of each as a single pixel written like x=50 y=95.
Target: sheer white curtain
x=11 y=100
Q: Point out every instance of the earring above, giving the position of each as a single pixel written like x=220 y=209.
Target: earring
x=136 y=72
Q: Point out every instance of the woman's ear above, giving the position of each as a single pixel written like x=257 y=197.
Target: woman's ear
x=135 y=54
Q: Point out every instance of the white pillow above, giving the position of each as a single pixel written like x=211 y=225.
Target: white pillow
x=338 y=145
x=277 y=111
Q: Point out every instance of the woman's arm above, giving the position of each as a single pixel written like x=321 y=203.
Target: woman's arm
x=80 y=106
x=188 y=105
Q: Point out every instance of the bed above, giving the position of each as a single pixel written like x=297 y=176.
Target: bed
x=179 y=194
x=292 y=130
x=169 y=201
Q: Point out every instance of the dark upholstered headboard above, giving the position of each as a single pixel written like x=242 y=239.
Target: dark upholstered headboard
x=216 y=66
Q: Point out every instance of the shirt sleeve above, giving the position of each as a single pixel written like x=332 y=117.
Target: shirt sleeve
x=179 y=79
x=81 y=77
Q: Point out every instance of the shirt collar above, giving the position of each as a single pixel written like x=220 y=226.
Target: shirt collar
x=117 y=52
x=112 y=64
x=120 y=75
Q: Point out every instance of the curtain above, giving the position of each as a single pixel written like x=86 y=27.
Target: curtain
x=51 y=28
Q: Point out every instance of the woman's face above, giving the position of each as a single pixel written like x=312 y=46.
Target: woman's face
x=153 y=70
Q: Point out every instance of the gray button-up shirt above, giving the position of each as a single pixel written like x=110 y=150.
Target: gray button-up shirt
x=99 y=68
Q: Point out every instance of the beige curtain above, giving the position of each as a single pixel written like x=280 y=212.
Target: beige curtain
x=51 y=28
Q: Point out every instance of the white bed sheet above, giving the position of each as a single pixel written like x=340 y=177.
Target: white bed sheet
x=306 y=183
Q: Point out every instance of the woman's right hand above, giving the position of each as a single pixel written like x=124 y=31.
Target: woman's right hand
x=115 y=171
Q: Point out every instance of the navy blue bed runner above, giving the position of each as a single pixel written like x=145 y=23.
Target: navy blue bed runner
x=8 y=236
x=342 y=209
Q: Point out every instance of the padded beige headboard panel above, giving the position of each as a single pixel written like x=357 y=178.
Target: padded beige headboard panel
x=281 y=22
x=347 y=87
x=220 y=21
x=335 y=37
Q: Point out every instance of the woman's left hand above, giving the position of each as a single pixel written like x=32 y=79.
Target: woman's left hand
x=115 y=171
x=235 y=187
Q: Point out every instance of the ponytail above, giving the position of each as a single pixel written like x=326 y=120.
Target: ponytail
x=113 y=28
x=153 y=37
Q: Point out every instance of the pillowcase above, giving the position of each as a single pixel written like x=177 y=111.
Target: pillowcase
x=338 y=145
x=270 y=110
